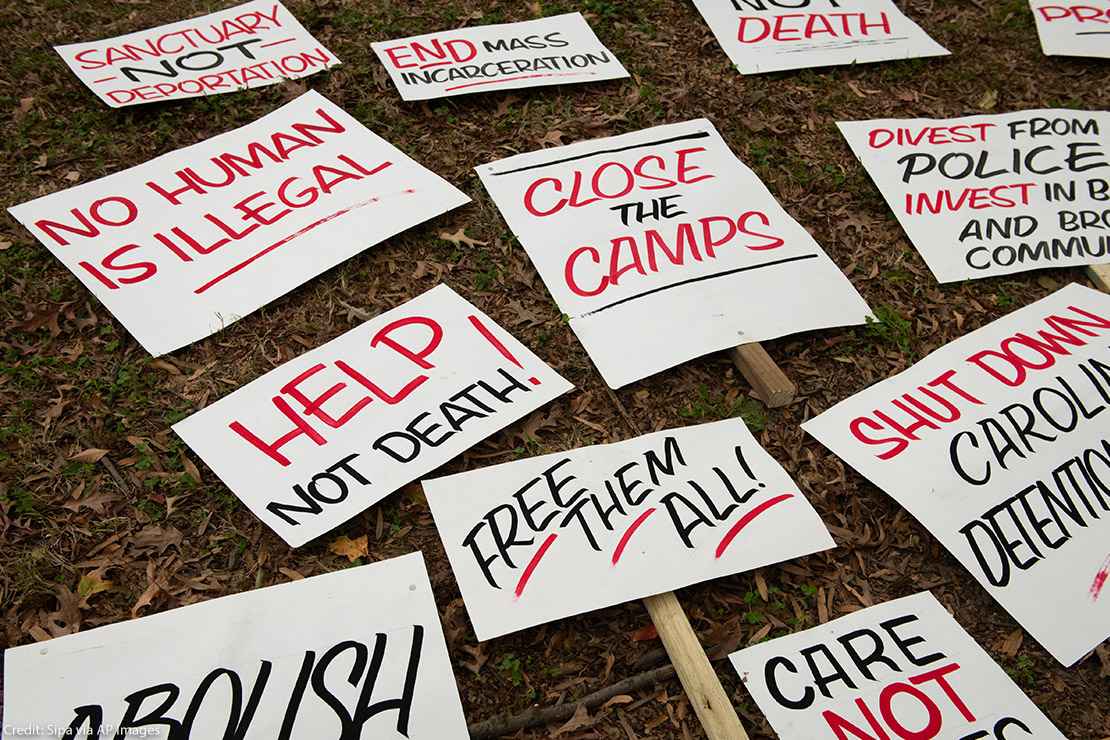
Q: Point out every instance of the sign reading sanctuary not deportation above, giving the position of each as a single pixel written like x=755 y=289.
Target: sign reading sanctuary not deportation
x=999 y=443
x=993 y=195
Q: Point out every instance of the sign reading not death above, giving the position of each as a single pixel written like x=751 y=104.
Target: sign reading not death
x=549 y=537
x=187 y=243
x=1074 y=28
x=993 y=195
x=903 y=669
x=999 y=443
x=661 y=246
x=353 y=654
x=549 y=51
x=775 y=35
x=251 y=45
x=326 y=435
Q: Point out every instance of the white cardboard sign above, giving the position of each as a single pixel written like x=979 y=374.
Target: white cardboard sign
x=774 y=35
x=537 y=540
x=994 y=195
x=1074 y=28
x=326 y=435
x=187 y=243
x=557 y=50
x=357 y=653
x=661 y=246
x=998 y=443
x=251 y=45
x=896 y=670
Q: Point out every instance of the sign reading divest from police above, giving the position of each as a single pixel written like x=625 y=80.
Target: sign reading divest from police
x=358 y=653
x=903 y=669
x=548 y=51
x=1075 y=28
x=993 y=195
x=999 y=443
x=773 y=35
x=251 y=45
x=321 y=438
x=541 y=539
x=185 y=244
x=661 y=246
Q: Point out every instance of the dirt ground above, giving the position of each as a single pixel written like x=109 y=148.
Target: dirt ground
x=148 y=527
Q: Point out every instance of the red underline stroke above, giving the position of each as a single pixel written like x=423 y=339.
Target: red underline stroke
x=280 y=41
x=747 y=519
x=628 y=534
x=533 y=563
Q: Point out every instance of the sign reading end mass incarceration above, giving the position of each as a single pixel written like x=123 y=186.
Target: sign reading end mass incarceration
x=774 y=35
x=187 y=243
x=252 y=45
x=541 y=539
x=999 y=443
x=904 y=669
x=662 y=246
x=323 y=437
x=994 y=195
x=548 y=51
x=358 y=653
x=1076 y=28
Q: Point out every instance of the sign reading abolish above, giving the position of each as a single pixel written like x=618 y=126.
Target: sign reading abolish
x=300 y=661
x=999 y=444
x=321 y=438
x=661 y=246
x=904 y=669
x=541 y=539
x=993 y=195
x=187 y=243
x=252 y=45
x=773 y=35
x=1076 y=28
x=548 y=51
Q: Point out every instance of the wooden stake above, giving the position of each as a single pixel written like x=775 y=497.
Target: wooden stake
x=695 y=672
x=769 y=382
x=1100 y=275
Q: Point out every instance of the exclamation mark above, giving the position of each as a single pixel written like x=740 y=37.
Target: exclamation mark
x=744 y=464
x=499 y=347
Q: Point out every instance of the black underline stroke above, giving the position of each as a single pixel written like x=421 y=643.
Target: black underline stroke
x=713 y=276
x=1091 y=33
x=699 y=135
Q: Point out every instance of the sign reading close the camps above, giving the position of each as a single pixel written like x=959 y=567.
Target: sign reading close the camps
x=252 y=45
x=998 y=443
x=1075 y=28
x=187 y=243
x=357 y=653
x=661 y=246
x=536 y=540
x=994 y=195
x=773 y=35
x=903 y=669
x=326 y=435
x=558 y=50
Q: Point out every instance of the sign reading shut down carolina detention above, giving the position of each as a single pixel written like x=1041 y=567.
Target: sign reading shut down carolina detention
x=999 y=443
x=326 y=435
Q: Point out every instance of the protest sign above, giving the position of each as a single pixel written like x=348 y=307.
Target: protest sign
x=774 y=35
x=547 y=51
x=661 y=246
x=326 y=435
x=357 y=653
x=998 y=444
x=993 y=195
x=903 y=669
x=1074 y=28
x=617 y=522
x=187 y=243
x=251 y=45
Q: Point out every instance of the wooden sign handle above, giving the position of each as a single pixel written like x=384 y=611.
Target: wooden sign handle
x=695 y=672
x=1100 y=276
x=766 y=378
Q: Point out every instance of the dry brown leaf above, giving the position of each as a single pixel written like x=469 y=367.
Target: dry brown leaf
x=554 y=138
x=459 y=238
x=350 y=549
x=89 y=456
x=291 y=574
x=761 y=634
x=1012 y=643
x=580 y=720
x=92 y=584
